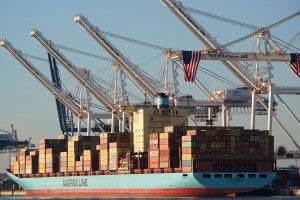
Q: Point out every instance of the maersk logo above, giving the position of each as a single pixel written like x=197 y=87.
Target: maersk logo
x=79 y=182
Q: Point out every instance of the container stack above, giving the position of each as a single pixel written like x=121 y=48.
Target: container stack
x=189 y=151
x=112 y=148
x=118 y=152
x=22 y=160
x=76 y=148
x=153 y=150
x=105 y=139
x=49 y=150
x=52 y=160
x=90 y=160
x=15 y=165
x=233 y=149
x=177 y=130
x=63 y=161
x=169 y=143
x=32 y=162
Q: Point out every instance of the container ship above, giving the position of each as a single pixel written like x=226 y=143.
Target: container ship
x=162 y=157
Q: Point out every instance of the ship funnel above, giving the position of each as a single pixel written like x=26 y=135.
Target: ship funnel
x=162 y=101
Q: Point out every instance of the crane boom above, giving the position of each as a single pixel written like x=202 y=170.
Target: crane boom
x=235 y=56
x=95 y=89
x=129 y=67
x=176 y=8
x=59 y=94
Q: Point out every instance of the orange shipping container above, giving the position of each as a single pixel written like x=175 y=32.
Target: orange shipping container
x=153 y=159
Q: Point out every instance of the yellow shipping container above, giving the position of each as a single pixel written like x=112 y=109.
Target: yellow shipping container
x=103 y=135
x=16 y=163
x=165 y=135
x=49 y=159
x=188 y=156
x=13 y=158
x=71 y=163
x=77 y=138
x=103 y=162
x=42 y=156
x=103 y=151
x=63 y=137
x=104 y=157
x=86 y=152
x=72 y=158
x=64 y=153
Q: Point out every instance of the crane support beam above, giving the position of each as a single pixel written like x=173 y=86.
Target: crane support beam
x=129 y=67
x=59 y=94
x=235 y=56
x=176 y=8
x=287 y=90
x=97 y=91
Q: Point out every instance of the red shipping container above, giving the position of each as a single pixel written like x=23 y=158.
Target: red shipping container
x=164 y=164
x=187 y=169
x=188 y=138
x=153 y=147
x=164 y=152
x=189 y=150
x=103 y=146
x=191 y=132
x=164 y=158
x=164 y=147
x=154 y=165
x=166 y=141
x=153 y=136
x=153 y=159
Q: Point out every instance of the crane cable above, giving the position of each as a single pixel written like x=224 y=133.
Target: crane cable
x=213 y=16
x=234 y=22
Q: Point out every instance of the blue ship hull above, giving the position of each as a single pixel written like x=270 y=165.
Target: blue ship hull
x=145 y=185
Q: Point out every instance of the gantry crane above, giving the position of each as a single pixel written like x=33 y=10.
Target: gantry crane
x=149 y=85
x=83 y=77
x=10 y=142
x=140 y=78
x=62 y=97
x=254 y=84
x=203 y=35
x=59 y=94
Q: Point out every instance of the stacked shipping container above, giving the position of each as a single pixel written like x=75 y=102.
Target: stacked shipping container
x=206 y=149
x=169 y=145
x=113 y=147
x=153 y=150
x=49 y=150
x=76 y=149
x=189 y=151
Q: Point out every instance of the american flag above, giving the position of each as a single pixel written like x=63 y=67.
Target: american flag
x=295 y=63
x=190 y=60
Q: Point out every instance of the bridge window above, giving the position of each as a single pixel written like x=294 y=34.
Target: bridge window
x=228 y=175
x=262 y=175
x=251 y=176
x=206 y=176
x=218 y=175
x=240 y=176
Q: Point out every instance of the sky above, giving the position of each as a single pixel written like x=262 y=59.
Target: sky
x=31 y=108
